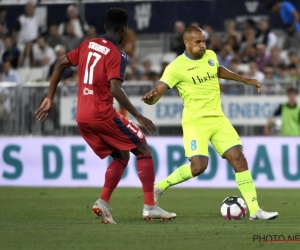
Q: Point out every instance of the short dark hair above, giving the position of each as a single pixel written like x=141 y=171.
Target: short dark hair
x=292 y=66
x=271 y=4
x=281 y=66
x=290 y=90
x=8 y=37
x=42 y=36
x=251 y=22
x=116 y=19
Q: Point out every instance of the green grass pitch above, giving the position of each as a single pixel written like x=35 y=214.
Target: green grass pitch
x=61 y=218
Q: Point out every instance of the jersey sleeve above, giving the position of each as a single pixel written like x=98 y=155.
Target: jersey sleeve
x=116 y=66
x=169 y=78
x=73 y=56
x=215 y=57
x=217 y=62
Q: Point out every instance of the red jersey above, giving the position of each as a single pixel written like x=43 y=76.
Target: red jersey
x=99 y=60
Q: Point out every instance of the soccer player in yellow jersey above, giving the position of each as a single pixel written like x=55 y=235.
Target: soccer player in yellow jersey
x=195 y=73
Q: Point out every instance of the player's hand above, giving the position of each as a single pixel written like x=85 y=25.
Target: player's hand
x=148 y=98
x=44 y=110
x=255 y=83
x=146 y=123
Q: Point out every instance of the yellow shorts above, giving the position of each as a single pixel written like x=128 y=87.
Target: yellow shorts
x=216 y=129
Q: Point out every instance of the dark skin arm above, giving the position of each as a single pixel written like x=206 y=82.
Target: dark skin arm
x=155 y=94
x=120 y=95
x=229 y=75
x=44 y=110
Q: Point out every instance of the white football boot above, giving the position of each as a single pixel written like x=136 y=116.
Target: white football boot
x=103 y=211
x=157 y=193
x=155 y=212
x=263 y=215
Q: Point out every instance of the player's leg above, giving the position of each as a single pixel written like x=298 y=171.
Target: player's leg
x=113 y=176
x=145 y=169
x=115 y=169
x=195 y=137
x=123 y=134
x=185 y=172
x=227 y=143
x=246 y=185
x=243 y=177
x=114 y=173
x=101 y=207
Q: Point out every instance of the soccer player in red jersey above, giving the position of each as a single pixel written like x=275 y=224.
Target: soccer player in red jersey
x=101 y=67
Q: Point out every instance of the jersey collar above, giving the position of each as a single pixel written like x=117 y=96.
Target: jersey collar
x=111 y=40
x=291 y=106
x=186 y=55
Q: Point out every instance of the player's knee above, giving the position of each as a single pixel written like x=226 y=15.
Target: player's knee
x=126 y=157
x=239 y=157
x=123 y=155
x=144 y=148
x=198 y=169
x=147 y=149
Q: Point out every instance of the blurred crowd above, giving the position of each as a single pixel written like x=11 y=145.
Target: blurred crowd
x=28 y=52
x=253 y=50
x=26 y=46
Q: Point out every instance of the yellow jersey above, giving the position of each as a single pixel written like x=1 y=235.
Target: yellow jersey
x=197 y=83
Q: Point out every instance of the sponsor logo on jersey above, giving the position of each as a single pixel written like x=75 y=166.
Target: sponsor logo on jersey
x=87 y=91
x=140 y=134
x=211 y=62
x=192 y=68
x=198 y=79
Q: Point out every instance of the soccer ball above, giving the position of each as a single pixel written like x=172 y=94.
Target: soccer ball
x=233 y=208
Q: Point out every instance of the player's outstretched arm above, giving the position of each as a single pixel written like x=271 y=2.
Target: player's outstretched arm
x=225 y=73
x=120 y=95
x=155 y=94
x=43 y=111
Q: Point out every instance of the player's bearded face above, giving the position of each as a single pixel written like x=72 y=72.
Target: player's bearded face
x=196 y=44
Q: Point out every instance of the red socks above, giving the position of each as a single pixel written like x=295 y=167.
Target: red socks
x=145 y=169
x=113 y=175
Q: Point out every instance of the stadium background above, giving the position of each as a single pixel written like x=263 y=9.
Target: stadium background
x=53 y=154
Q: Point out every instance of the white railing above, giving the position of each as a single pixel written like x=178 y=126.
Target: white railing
x=18 y=102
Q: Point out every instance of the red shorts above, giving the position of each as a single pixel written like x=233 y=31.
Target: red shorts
x=118 y=133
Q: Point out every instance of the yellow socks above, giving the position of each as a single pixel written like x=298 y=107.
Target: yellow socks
x=246 y=186
x=181 y=174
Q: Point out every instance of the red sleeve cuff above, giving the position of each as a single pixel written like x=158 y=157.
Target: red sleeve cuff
x=69 y=59
x=117 y=78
